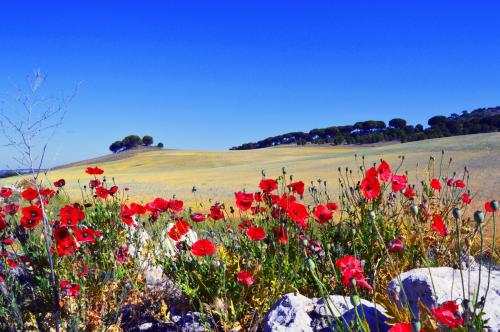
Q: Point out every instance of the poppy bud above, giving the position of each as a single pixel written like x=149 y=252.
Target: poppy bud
x=372 y=215
x=305 y=242
x=310 y=264
x=494 y=205
x=456 y=213
x=479 y=217
x=353 y=282
x=355 y=300
x=414 y=209
x=416 y=326
x=353 y=231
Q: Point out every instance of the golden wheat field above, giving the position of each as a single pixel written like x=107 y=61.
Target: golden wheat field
x=217 y=174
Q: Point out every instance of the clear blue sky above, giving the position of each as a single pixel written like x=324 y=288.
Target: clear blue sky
x=214 y=74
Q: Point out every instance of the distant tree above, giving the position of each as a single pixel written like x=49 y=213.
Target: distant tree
x=437 y=120
x=397 y=123
x=160 y=145
x=116 y=146
x=147 y=140
x=419 y=128
x=131 y=141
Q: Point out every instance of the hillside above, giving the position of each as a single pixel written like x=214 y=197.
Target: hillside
x=217 y=174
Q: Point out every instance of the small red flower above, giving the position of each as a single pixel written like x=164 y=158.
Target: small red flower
x=350 y=275
x=398 y=182
x=439 y=226
x=256 y=233
x=281 y=234
x=127 y=215
x=203 y=248
x=298 y=213
x=216 y=212
x=332 y=206
x=65 y=241
x=459 y=184
x=113 y=190
x=12 y=263
x=297 y=187
x=122 y=253
x=29 y=223
x=488 y=207
x=69 y=288
x=179 y=229
x=8 y=241
x=85 y=235
x=32 y=212
x=322 y=214
x=29 y=194
x=395 y=245
x=197 y=217
x=175 y=205
x=5 y=192
x=60 y=183
x=244 y=200
x=447 y=314
x=466 y=199
x=11 y=208
x=71 y=215
x=94 y=171
x=95 y=183
x=384 y=171
x=138 y=208
x=102 y=192
x=402 y=327
x=409 y=192
x=3 y=224
x=159 y=204
x=370 y=184
x=435 y=184
x=268 y=185
x=349 y=262
x=245 y=277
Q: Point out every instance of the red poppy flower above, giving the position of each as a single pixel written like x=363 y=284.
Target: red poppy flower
x=179 y=229
x=29 y=194
x=350 y=275
x=3 y=224
x=12 y=263
x=66 y=247
x=11 y=208
x=113 y=190
x=332 y=206
x=160 y=204
x=349 y=262
x=85 y=235
x=243 y=200
x=298 y=213
x=435 y=184
x=68 y=288
x=384 y=171
x=47 y=192
x=32 y=212
x=268 y=185
x=258 y=197
x=127 y=215
x=257 y=209
x=322 y=214
x=402 y=327
x=216 y=212
x=95 y=183
x=29 y=223
x=244 y=224
x=439 y=226
x=447 y=314
x=175 y=205
x=398 y=182
x=488 y=207
x=459 y=184
x=466 y=199
x=2 y=279
x=256 y=233
x=70 y=215
x=297 y=187
x=245 y=277
x=8 y=241
x=203 y=248
x=138 y=208
x=395 y=245
x=370 y=184
x=94 y=171
x=60 y=183
x=102 y=192
x=409 y=192
x=281 y=234
x=197 y=217
x=5 y=192
x=285 y=201
x=122 y=253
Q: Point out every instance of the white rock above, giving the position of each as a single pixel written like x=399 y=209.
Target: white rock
x=290 y=313
x=445 y=284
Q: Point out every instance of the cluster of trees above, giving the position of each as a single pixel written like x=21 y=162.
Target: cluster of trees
x=132 y=141
x=481 y=120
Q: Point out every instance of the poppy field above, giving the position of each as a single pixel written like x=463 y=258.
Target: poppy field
x=78 y=264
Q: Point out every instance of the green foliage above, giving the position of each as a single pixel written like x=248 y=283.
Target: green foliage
x=147 y=140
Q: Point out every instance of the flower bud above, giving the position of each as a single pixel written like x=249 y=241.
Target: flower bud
x=372 y=215
x=416 y=326
x=310 y=264
x=305 y=242
x=353 y=282
x=355 y=300
x=479 y=217
x=414 y=209
x=456 y=213
x=494 y=205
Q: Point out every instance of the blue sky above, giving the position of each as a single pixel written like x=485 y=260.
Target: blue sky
x=214 y=74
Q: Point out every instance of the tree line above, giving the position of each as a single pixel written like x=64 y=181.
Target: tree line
x=482 y=120
x=132 y=141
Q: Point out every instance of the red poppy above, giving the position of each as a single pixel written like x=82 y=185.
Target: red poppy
x=8 y=241
x=113 y=190
x=268 y=185
x=70 y=215
x=243 y=200
x=65 y=242
x=95 y=183
x=160 y=204
x=257 y=209
x=332 y=206
x=68 y=288
x=402 y=327
x=178 y=230
x=395 y=245
x=85 y=235
x=285 y=201
x=384 y=171
x=466 y=199
x=138 y=208
x=12 y=263
x=459 y=184
x=297 y=187
x=47 y=192
x=435 y=184
x=122 y=253
x=5 y=192
x=245 y=277
x=351 y=275
x=281 y=234
x=322 y=214
x=450 y=182
x=488 y=207
x=298 y=213
x=60 y=183
x=258 y=197
x=94 y=171
x=370 y=184
x=349 y=262
x=127 y=215
x=398 y=182
x=203 y=248
x=102 y=192
x=32 y=212
x=439 y=226
x=447 y=314
x=256 y=233
x=409 y=192
x=197 y=217
x=216 y=212
x=11 y=208
x=30 y=194
x=29 y=223
x=3 y=224
x=244 y=224
x=175 y=205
